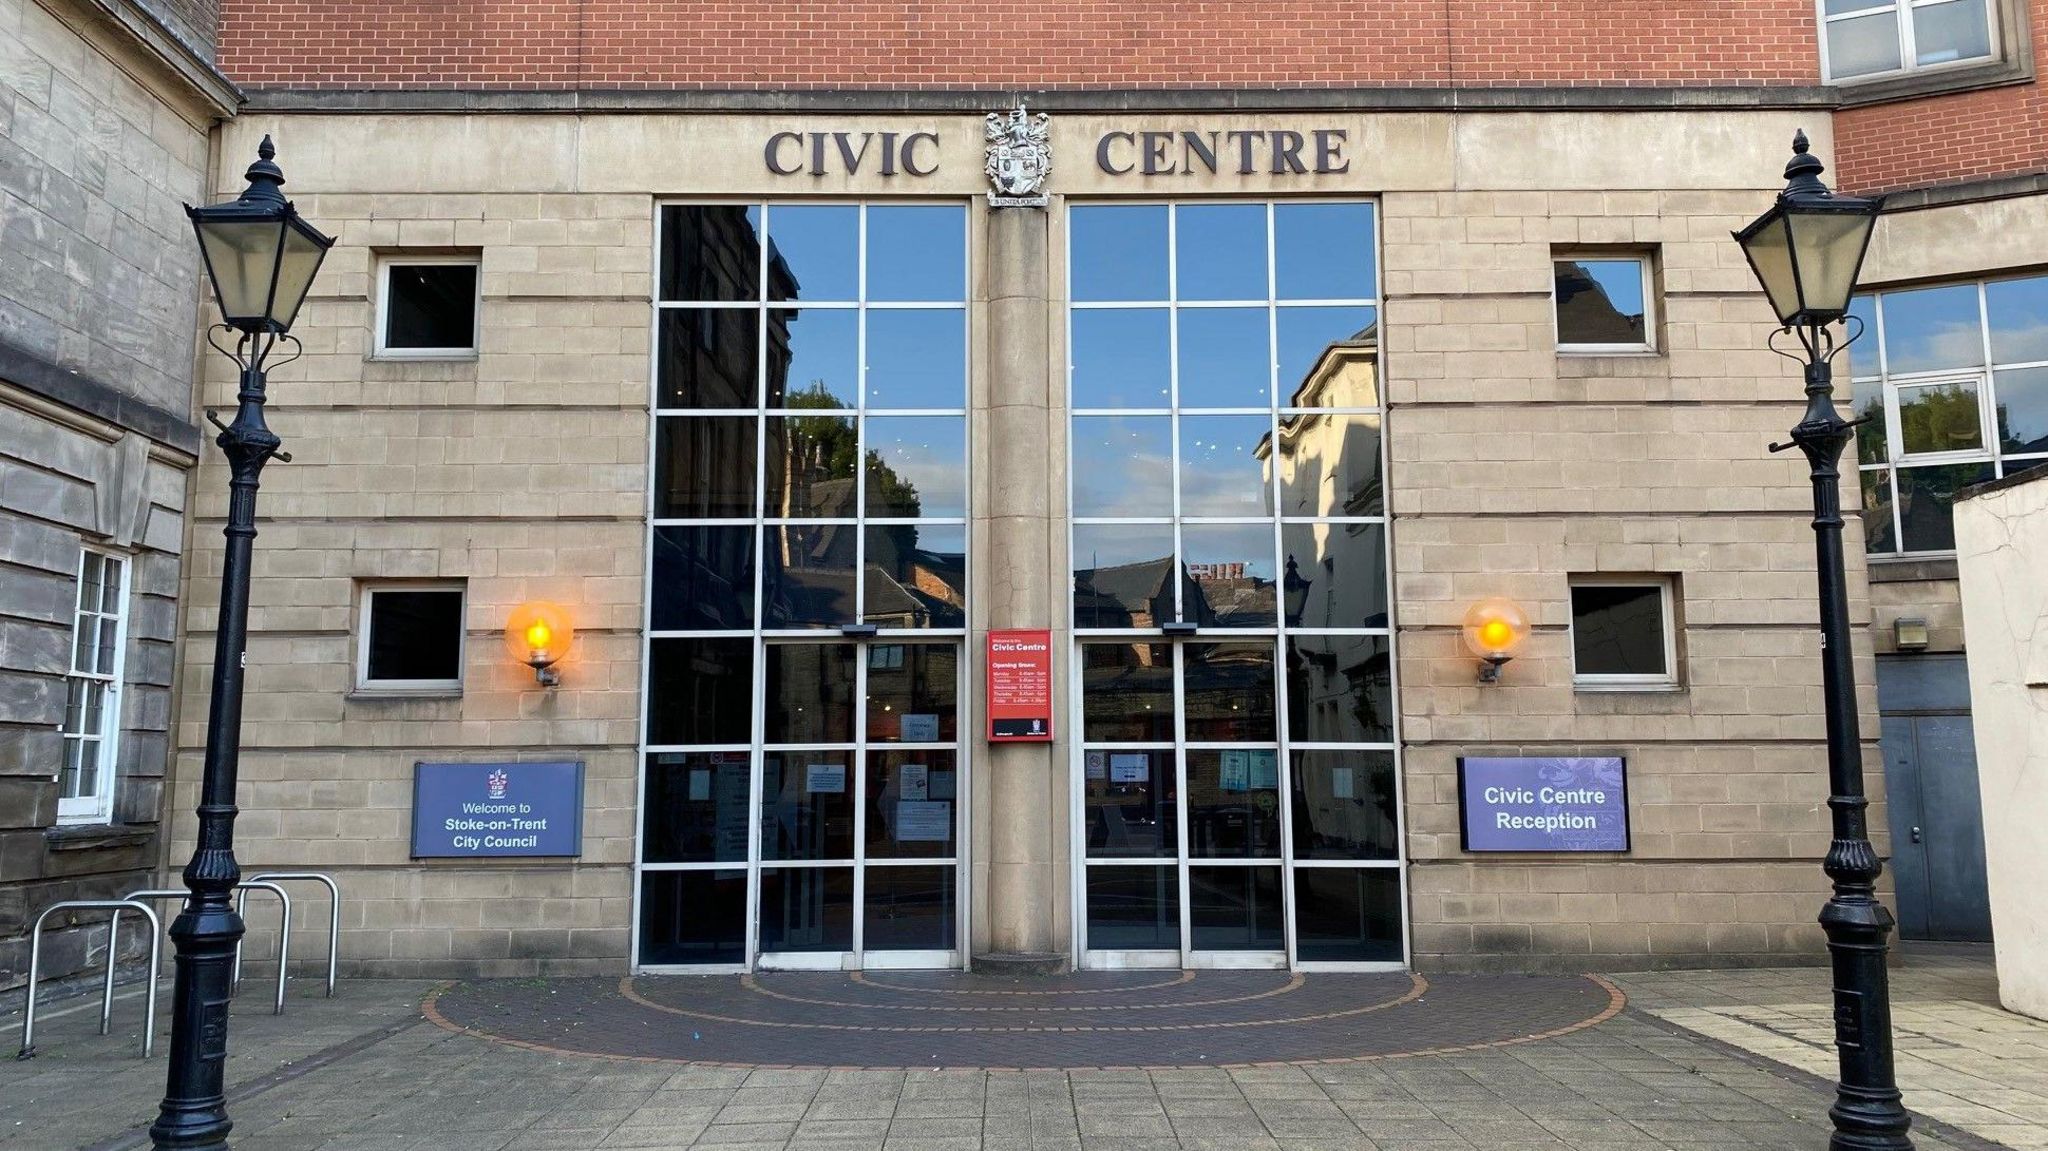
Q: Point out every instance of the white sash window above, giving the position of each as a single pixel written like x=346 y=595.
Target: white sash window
x=92 y=713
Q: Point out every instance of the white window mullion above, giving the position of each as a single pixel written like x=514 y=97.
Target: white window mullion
x=1909 y=54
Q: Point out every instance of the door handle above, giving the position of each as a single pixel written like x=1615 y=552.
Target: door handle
x=1916 y=835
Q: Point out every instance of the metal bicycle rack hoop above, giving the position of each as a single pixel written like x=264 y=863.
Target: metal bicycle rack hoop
x=35 y=961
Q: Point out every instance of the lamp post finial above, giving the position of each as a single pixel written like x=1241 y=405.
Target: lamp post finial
x=264 y=176
x=1802 y=171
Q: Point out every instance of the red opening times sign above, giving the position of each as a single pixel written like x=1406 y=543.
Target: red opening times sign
x=1020 y=686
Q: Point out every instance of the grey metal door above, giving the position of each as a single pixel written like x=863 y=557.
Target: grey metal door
x=1937 y=827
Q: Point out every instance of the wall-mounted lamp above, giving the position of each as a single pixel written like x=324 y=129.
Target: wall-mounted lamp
x=538 y=635
x=1494 y=628
x=1909 y=632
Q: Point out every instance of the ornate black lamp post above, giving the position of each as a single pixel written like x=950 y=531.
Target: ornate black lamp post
x=1807 y=251
x=260 y=257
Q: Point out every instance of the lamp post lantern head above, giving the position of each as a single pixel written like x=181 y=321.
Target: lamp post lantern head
x=1294 y=592
x=260 y=254
x=1807 y=249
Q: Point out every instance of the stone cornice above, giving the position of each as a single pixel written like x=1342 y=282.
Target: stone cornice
x=169 y=52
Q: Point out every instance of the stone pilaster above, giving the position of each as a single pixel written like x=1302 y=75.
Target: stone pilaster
x=1015 y=537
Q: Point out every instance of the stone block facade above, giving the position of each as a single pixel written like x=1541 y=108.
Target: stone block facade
x=104 y=120
x=523 y=473
x=520 y=473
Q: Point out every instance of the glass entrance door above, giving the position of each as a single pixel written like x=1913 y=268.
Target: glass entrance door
x=859 y=810
x=1180 y=786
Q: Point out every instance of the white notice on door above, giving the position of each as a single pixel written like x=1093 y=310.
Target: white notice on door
x=826 y=777
x=700 y=784
x=920 y=728
x=1235 y=771
x=928 y=821
x=1340 y=783
x=1265 y=769
x=1130 y=767
x=911 y=781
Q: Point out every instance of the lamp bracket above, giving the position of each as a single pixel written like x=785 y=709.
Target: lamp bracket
x=1817 y=342
x=547 y=676
x=1842 y=425
x=282 y=457
x=252 y=347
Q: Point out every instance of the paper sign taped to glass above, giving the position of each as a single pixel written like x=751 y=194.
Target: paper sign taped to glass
x=929 y=821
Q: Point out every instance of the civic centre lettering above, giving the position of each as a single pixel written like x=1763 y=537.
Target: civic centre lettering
x=1020 y=155
x=463 y=810
x=1577 y=803
x=1281 y=152
x=820 y=153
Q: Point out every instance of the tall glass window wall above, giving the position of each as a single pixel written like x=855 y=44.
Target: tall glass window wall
x=1954 y=383
x=1238 y=789
x=804 y=774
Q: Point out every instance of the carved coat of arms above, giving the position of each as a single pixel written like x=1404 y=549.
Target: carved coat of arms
x=1019 y=158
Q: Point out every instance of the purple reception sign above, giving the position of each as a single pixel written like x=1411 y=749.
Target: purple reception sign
x=1573 y=803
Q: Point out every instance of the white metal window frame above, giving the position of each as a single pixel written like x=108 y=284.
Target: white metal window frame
x=366 y=593
x=381 y=335
x=1984 y=378
x=1978 y=382
x=1275 y=633
x=760 y=637
x=1645 y=267
x=1667 y=595
x=1909 y=53
x=98 y=805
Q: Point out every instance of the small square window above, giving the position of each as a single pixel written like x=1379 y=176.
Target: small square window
x=1623 y=635
x=411 y=638
x=1602 y=303
x=427 y=306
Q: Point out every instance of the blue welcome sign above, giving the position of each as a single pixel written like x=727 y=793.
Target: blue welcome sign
x=465 y=810
x=1525 y=803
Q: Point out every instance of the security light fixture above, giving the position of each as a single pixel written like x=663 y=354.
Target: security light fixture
x=1909 y=632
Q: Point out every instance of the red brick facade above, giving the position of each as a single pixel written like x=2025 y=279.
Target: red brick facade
x=885 y=44
x=1937 y=139
x=794 y=45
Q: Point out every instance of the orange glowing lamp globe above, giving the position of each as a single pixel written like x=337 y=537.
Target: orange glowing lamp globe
x=539 y=634
x=1494 y=628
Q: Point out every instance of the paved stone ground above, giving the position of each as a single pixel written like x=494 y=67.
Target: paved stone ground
x=1961 y=1058
x=369 y=1071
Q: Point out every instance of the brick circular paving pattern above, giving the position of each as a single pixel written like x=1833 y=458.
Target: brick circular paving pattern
x=1087 y=1019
